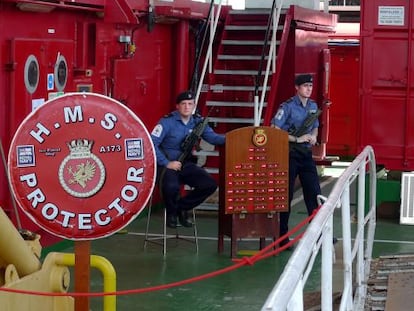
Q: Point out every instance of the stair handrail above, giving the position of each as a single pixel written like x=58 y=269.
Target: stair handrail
x=287 y=294
x=194 y=82
x=273 y=20
x=213 y=19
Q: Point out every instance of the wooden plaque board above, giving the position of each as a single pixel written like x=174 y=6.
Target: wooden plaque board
x=256 y=170
x=254 y=177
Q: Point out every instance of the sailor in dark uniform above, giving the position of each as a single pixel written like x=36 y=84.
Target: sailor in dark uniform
x=290 y=116
x=168 y=136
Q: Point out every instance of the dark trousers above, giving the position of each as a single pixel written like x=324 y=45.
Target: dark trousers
x=201 y=182
x=301 y=164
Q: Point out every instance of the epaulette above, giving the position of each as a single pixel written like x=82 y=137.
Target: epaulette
x=168 y=115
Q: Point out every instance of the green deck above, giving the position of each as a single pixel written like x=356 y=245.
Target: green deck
x=245 y=288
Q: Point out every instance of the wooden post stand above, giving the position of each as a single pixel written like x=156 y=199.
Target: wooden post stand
x=82 y=274
x=253 y=184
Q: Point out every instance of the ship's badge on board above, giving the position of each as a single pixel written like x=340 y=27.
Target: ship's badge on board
x=81 y=173
x=259 y=137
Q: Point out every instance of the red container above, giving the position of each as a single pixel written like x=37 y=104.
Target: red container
x=387 y=88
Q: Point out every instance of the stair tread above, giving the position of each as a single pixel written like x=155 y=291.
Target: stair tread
x=202 y=152
x=231 y=104
x=231 y=120
x=236 y=72
x=221 y=87
x=245 y=27
x=246 y=42
x=207 y=207
x=239 y=57
x=211 y=170
x=249 y=27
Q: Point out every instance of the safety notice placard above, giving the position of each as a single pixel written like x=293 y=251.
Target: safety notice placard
x=391 y=15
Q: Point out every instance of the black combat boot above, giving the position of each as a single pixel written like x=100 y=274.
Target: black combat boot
x=172 y=221
x=183 y=219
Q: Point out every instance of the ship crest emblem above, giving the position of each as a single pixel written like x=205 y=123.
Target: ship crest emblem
x=259 y=137
x=81 y=173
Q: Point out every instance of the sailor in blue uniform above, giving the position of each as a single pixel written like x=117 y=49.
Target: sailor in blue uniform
x=290 y=117
x=168 y=136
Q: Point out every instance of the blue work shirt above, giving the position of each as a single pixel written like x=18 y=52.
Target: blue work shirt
x=292 y=114
x=171 y=131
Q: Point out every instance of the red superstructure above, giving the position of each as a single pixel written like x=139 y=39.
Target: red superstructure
x=99 y=46
x=142 y=53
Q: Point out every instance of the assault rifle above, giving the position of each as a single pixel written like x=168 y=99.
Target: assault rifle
x=192 y=140
x=302 y=130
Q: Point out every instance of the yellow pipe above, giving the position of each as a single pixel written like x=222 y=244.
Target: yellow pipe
x=109 y=276
x=108 y=272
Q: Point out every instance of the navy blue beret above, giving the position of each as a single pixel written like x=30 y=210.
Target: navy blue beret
x=186 y=95
x=304 y=78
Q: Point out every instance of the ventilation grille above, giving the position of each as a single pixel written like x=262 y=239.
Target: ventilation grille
x=407 y=199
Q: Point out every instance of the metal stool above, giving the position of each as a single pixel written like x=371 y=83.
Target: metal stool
x=161 y=239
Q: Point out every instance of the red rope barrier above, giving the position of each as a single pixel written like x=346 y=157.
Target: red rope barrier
x=262 y=254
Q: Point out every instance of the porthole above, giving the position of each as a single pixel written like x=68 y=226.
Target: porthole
x=31 y=74
x=61 y=73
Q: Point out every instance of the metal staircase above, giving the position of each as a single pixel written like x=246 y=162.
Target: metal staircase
x=236 y=69
x=237 y=78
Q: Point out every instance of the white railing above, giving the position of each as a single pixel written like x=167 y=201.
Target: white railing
x=344 y=2
x=213 y=21
x=343 y=5
x=271 y=61
x=357 y=247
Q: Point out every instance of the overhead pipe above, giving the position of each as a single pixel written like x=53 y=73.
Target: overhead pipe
x=182 y=59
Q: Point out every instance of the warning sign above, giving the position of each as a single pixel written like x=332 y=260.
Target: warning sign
x=82 y=166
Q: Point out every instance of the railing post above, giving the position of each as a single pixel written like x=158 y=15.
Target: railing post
x=361 y=216
x=212 y=33
x=347 y=249
x=327 y=264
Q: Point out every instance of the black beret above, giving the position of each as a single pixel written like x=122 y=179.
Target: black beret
x=187 y=95
x=304 y=78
